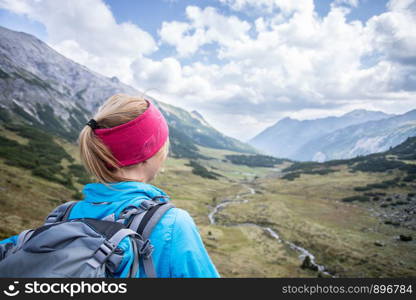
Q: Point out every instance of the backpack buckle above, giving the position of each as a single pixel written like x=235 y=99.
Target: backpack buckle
x=53 y=217
x=106 y=249
x=128 y=212
x=146 y=204
x=133 y=210
x=145 y=248
x=156 y=198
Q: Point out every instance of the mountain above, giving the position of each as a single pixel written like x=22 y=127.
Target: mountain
x=189 y=129
x=51 y=92
x=287 y=137
x=405 y=150
x=361 y=139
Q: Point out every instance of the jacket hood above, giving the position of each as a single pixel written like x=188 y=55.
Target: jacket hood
x=121 y=191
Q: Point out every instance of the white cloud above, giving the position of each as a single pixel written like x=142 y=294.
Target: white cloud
x=86 y=31
x=205 y=26
x=391 y=33
x=402 y=5
x=288 y=61
x=300 y=65
x=269 y=6
x=352 y=3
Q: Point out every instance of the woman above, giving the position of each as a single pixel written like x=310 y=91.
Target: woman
x=124 y=146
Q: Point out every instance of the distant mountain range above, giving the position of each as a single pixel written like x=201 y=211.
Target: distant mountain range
x=358 y=132
x=43 y=88
x=361 y=139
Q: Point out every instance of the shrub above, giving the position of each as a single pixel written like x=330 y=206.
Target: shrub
x=80 y=172
x=77 y=195
x=255 y=160
x=359 y=198
x=42 y=154
x=291 y=176
x=200 y=170
x=410 y=178
x=373 y=194
x=303 y=166
x=361 y=188
x=319 y=172
x=381 y=185
x=310 y=167
x=379 y=164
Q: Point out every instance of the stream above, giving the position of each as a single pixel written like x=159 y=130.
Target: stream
x=303 y=253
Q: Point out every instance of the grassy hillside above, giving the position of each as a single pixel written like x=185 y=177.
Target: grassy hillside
x=358 y=238
x=350 y=239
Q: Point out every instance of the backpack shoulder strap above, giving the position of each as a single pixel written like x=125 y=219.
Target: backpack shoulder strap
x=22 y=238
x=151 y=218
x=106 y=250
x=143 y=224
x=61 y=213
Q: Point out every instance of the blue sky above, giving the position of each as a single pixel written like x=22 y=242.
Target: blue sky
x=149 y=14
x=243 y=64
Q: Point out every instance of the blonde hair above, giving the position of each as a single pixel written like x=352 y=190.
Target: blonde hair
x=95 y=155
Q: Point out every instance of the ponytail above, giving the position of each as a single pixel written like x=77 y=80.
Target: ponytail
x=95 y=155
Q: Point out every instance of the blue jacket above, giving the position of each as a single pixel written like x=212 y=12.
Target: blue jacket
x=178 y=248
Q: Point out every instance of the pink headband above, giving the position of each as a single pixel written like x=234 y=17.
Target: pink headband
x=137 y=140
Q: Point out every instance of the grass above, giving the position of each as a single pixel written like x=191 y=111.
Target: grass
x=11 y=135
x=307 y=211
x=246 y=251
x=25 y=199
x=195 y=194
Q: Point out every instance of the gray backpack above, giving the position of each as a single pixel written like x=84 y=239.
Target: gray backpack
x=85 y=247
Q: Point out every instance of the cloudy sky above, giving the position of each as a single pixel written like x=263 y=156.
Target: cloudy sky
x=243 y=64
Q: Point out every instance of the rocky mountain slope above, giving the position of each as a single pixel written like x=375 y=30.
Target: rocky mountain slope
x=53 y=93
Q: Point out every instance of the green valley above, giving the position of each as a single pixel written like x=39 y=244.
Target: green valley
x=255 y=221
